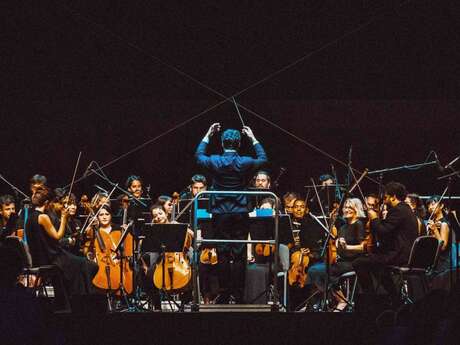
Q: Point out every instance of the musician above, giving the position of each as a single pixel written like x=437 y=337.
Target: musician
x=416 y=204
x=328 y=195
x=438 y=226
x=43 y=240
x=262 y=180
x=8 y=218
x=198 y=183
x=350 y=243
x=288 y=201
x=308 y=238
x=230 y=212
x=166 y=202
x=134 y=205
x=396 y=235
x=36 y=182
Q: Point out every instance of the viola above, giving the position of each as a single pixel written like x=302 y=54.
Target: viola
x=297 y=274
x=208 y=256
x=264 y=249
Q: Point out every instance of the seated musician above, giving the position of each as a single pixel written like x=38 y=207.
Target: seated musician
x=309 y=242
x=136 y=204
x=416 y=204
x=43 y=240
x=288 y=201
x=36 y=182
x=396 y=234
x=438 y=226
x=167 y=203
x=70 y=241
x=198 y=184
x=351 y=243
x=261 y=180
x=150 y=259
x=8 y=218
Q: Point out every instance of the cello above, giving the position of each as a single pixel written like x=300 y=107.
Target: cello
x=113 y=270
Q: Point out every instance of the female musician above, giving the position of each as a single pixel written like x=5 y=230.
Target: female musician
x=438 y=227
x=167 y=203
x=416 y=204
x=350 y=243
x=43 y=240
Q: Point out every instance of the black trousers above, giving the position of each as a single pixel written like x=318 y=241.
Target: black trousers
x=373 y=265
x=231 y=257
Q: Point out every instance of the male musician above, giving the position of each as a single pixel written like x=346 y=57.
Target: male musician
x=309 y=240
x=396 y=235
x=7 y=216
x=288 y=201
x=230 y=212
x=134 y=185
x=262 y=180
x=198 y=184
x=36 y=182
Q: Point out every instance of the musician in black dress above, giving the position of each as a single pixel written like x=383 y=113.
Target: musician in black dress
x=438 y=226
x=43 y=240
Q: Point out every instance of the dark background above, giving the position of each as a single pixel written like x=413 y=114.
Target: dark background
x=97 y=77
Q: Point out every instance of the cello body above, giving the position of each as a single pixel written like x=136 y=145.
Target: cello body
x=110 y=271
x=174 y=273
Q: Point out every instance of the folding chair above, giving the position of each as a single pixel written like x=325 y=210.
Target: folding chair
x=422 y=259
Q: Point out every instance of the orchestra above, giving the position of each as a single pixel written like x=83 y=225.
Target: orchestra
x=97 y=242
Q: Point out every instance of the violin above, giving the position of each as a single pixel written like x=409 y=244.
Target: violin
x=297 y=274
x=208 y=256
x=264 y=249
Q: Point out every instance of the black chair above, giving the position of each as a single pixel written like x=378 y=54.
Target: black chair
x=422 y=260
x=40 y=278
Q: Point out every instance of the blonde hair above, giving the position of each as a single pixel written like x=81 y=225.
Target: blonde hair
x=357 y=205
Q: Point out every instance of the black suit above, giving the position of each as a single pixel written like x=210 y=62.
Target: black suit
x=395 y=236
x=230 y=212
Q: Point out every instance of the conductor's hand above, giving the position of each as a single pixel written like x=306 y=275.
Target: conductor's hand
x=248 y=132
x=214 y=128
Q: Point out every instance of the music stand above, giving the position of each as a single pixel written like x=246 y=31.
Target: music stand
x=285 y=237
x=163 y=238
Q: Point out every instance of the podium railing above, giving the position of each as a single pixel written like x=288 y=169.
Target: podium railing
x=197 y=242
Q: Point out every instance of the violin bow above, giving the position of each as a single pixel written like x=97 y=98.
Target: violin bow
x=437 y=204
x=73 y=179
x=93 y=218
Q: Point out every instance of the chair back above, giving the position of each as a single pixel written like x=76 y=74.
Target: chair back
x=424 y=252
x=22 y=248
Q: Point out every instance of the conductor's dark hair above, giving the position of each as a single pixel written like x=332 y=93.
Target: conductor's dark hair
x=231 y=139
x=131 y=179
x=396 y=189
x=38 y=179
x=198 y=178
x=326 y=177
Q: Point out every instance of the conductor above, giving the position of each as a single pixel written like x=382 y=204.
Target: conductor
x=230 y=218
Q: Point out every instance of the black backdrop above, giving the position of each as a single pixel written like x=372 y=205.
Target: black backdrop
x=85 y=76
